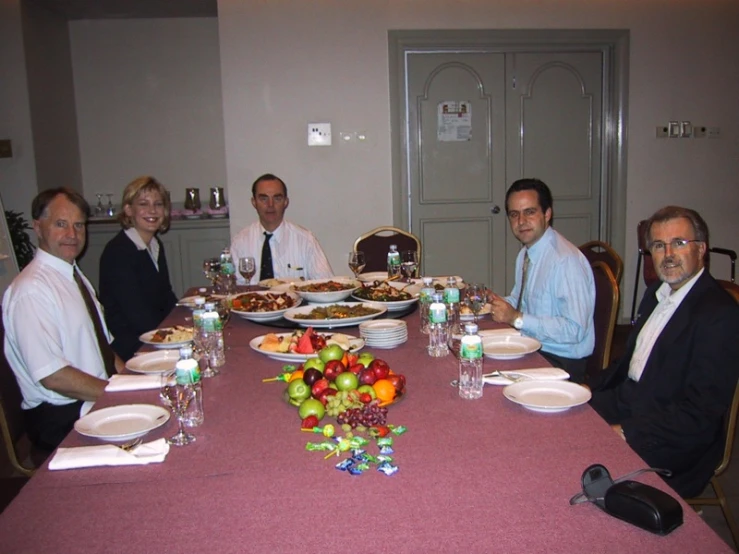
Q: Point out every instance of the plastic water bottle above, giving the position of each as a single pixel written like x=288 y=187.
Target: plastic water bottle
x=187 y=372
x=438 y=328
x=226 y=282
x=393 y=262
x=470 y=364
x=424 y=301
x=451 y=298
x=197 y=322
x=213 y=331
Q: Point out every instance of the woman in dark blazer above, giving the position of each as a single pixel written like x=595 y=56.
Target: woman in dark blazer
x=134 y=279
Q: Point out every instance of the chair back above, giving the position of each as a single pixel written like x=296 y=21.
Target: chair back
x=730 y=432
x=648 y=272
x=604 y=318
x=376 y=245
x=599 y=251
x=730 y=287
x=12 y=425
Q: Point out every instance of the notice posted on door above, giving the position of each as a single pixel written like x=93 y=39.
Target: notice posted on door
x=454 y=121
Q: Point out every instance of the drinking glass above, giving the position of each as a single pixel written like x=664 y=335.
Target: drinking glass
x=357 y=262
x=475 y=296
x=207 y=344
x=211 y=268
x=111 y=209
x=408 y=264
x=247 y=268
x=177 y=398
x=99 y=209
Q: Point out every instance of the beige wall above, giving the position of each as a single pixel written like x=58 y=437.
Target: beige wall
x=286 y=63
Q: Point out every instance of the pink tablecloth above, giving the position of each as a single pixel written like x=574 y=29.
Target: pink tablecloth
x=475 y=476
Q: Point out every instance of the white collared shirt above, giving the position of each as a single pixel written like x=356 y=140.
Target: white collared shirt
x=668 y=302
x=152 y=248
x=48 y=327
x=296 y=252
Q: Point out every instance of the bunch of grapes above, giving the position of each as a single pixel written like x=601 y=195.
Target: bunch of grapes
x=367 y=415
x=342 y=401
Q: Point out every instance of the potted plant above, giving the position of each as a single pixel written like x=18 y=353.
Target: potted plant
x=22 y=245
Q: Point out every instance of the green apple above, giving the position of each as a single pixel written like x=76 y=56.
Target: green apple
x=298 y=390
x=331 y=352
x=365 y=358
x=368 y=389
x=346 y=381
x=311 y=406
x=314 y=362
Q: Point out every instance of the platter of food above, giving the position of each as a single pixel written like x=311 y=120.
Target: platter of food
x=264 y=305
x=339 y=314
x=168 y=337
x=300 y=345
x=394 y=296
x=325 y=290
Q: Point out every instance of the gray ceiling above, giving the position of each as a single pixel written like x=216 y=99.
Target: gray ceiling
x=127 y=9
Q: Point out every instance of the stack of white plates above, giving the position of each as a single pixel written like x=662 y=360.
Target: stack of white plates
x=383 y=333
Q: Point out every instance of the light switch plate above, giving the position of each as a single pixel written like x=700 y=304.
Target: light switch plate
x=319 y=134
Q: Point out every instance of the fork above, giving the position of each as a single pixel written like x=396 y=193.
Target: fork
x=130 y=445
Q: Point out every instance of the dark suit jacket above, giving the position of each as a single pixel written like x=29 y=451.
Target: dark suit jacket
x=136 y=296
x=673 y=417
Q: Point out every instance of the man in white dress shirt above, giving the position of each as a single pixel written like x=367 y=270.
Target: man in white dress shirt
x=51 y=341
x=280 y=248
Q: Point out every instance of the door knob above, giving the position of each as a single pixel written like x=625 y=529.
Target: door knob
x=495 y=209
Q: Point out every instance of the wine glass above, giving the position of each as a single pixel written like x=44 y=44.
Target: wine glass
x=111 y=209
x=99 y=209
x=408 y=264
x=211 y=268
x=475 y=296
x=207 y=342
x=177 y=397
x=247 y=268
x=357 y=262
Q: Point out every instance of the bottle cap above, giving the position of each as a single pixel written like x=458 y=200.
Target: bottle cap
x=186 y=352
x=428 y=281
x=210 y=306
x=199 y=301
x=470 y=328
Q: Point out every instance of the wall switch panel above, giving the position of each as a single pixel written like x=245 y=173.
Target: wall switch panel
x=319 y=134
x=699 y=132
x=714 y=132
x=662 y=131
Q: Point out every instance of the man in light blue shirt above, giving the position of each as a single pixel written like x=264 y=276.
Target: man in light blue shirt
x=553 y=299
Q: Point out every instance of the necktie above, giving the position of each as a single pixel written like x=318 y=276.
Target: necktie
x=266 y=271
x=105 y=350
x=524 y=274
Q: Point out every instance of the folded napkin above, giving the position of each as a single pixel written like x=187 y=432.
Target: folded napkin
x=133 y=382
x=535 y=374
x=109 y=455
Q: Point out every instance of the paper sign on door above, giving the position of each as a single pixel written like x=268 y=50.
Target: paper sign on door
x=454 y=121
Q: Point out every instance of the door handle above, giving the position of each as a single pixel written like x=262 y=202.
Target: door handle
x=495 y=209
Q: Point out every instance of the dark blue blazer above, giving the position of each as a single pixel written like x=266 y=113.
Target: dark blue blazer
x=136 y=296
x=673 y=417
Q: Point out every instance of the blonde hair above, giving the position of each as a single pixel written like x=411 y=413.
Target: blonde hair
x=134 y=189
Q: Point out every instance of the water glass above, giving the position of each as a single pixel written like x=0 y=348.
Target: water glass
x=408 y=264
x=357 y=262
x=247 y=268
x=475 y=297
x=211 y=268
x=177 y=397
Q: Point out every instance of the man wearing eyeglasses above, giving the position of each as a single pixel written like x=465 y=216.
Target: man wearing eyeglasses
x=553 y=299
x=669 y=394
x=281 y=249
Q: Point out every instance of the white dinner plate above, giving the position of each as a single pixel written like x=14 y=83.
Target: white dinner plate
x=330 y=323
x=326 y=297
x=267 y=316
x=547 y=396
x=509 y=347
x=122 y=423
x=355 y=344
x=153 y=362
x=146 y=339
x=486 y=309
x=189 y=301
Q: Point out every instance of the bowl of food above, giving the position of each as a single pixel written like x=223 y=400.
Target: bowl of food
x=339 y=314
x=264 y=305
x=325 y=291
x=394 y=296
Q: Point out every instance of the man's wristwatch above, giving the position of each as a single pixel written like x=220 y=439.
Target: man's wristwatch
x=518 y=322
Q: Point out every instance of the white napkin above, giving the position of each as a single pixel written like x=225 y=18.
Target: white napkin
x=109 y=455
x=535 y=374
x=133 y=382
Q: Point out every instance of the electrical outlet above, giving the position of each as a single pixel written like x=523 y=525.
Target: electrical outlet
x=661 y=131
x=319 y=134
x=699 y=132
x=714 y=132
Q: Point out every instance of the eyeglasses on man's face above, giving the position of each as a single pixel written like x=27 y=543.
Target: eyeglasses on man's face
x=659 y=246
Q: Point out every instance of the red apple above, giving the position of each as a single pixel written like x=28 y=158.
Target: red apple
x=332 y=369
x=380 y=367
x=311 y=375
x=325 y=393
x=318 y=387
x=356 y=368
x=367 y=377
x=398 y=382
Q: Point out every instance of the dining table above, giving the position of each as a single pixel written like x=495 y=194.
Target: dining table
x=485 y=475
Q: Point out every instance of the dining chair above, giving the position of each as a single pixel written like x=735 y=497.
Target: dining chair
x=604 y=317
x=731 y=287
x=720 y=497
x=599 y=251
x=644 y=257
x=12 y=426
x=376 y=243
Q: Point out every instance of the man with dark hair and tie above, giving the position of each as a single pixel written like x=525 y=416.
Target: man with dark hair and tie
x=280 y=248
x=56 y=341
x=553 y=299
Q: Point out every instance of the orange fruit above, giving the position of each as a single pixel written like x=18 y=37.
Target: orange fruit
x=384 y=390
x=297 y=374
